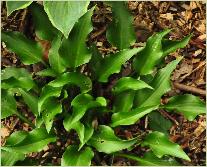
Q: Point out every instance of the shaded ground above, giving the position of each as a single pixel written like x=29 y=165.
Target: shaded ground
x=149 y=17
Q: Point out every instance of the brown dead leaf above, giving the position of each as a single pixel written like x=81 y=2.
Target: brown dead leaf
x=4 y=132
x=168 y=16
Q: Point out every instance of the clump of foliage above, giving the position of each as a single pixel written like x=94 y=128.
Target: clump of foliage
x=72 y=68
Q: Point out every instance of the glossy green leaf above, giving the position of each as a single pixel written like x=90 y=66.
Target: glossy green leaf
x=120 y=31
x=128 y=83
x=190 y=106
x=30 y=100
x=149 y=159
x=148 y=58
x=170 y=46
x=74 y=50
x=73 y=78
x=16 y=78
x=161 y=85
x=48 y=92
x=73 y=157
x=8 y=104
x=43 y=27
x=55 y=60
x=81 y=104
x=123 y=101
x=129 y=118
x=71 y=10
x=157 y=122
x=29 y=51
x=35 y=141
x=105 y=141
x=16 y=5
x=10 y=158
x=112 y=63
x=160 y=145
x=51 y=107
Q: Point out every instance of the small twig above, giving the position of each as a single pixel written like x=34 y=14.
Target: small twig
x=164 y=113
x=190 y=89
x=101 y=31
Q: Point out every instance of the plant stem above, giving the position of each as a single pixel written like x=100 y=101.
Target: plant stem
x=23 y=118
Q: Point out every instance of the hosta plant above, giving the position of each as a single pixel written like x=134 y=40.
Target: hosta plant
x=69 y=94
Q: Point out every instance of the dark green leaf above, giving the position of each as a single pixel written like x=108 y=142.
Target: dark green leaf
x=105 y=141
x=73 y=157
x=29 y=51
x=47 y=72
x=161 y=146
x=16 y=5
x=71 y=10
x=190 y=106
x=120 y=32
x=74 y=50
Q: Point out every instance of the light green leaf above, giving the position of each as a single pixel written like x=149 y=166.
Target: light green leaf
x=16 y=78
x=129 y=118
x=120 y=32
x=16 y=5
x=81 y=104
x=43 y=27
x=105 y=141
x=30 y=100
x=149 y=159
x=74 y=50
x=148 y=58
x=161 y=85
x=8 y=104
x=160 y=145
x=71 y=10
x=112 y=63
x=35 y=141
x=16 y=137
x=29 y=51
x=73 y=78
x=73 y=157
x=123 y=101
x=190 y=106
x=128 y=83
x=158 y=123
x=48 y=92
x=10 y=158
x=170 y=46
x=51 y=107
x=55 y=60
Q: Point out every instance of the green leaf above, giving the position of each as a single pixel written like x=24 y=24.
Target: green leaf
x=30 y=100
x=73 y=78
x=35 y=141
x=48 y=92
x=71 y=10
x=55 y=60
x=8 y=104
x=123 y=101
x=43 y=27
x=120 y=32
x=16 y=78
x=158 y=123
x=105 y=141
x=10 y=158
x=29 y=51
x=16 y=5
x=73 y=157
x=51 y=108
x=74 y=50
x=112 y=63
x=170 y=46
x=16 y=137
x=81 y=104
x=128 y=83
x=190 y=106
x=160 y=145
x=149 y=159
x=161 y=85
x=47 y=73
x=129 y=118
x=148 y=58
